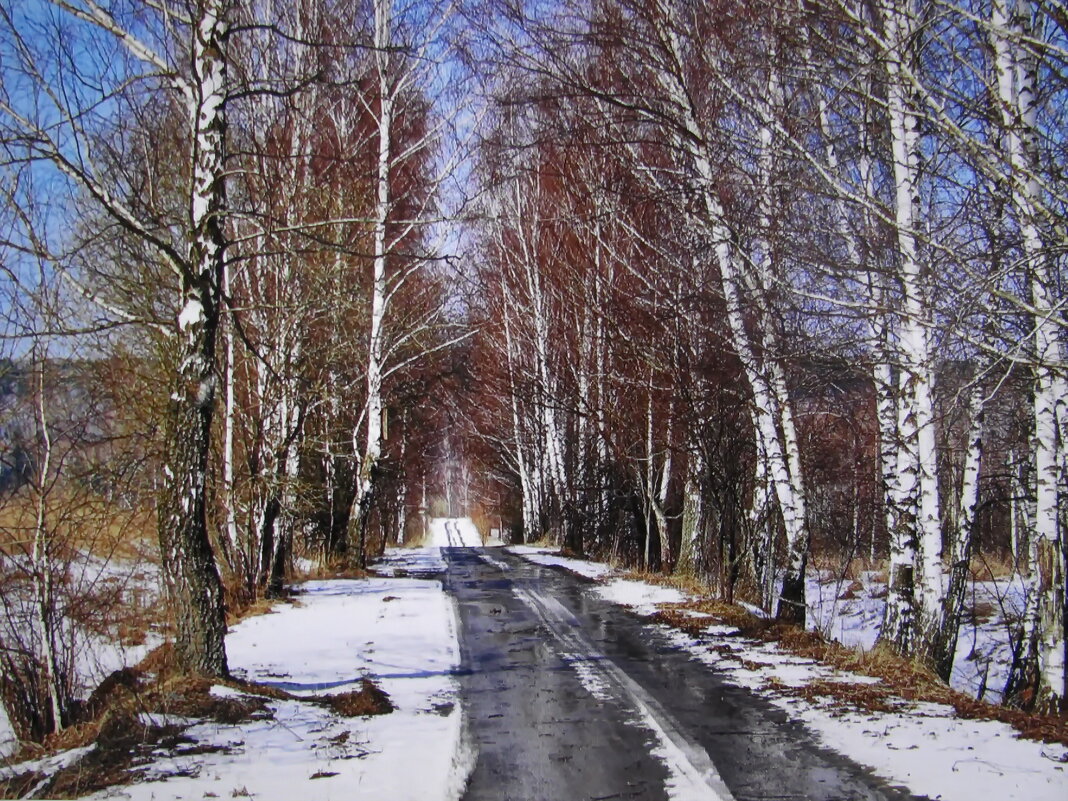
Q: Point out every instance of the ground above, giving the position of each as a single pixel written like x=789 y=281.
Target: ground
x=514 y=675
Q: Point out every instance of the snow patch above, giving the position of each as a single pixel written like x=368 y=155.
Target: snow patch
x=191 y=314
x=643 y=598
x=549 y=558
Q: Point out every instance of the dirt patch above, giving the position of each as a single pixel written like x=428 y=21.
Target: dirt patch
x=368 y=700
x=846 y=695
x=850 y=592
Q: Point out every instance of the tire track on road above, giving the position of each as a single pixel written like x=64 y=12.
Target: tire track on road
x=693 y=775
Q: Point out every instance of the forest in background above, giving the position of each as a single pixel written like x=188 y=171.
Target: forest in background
x=715 y=288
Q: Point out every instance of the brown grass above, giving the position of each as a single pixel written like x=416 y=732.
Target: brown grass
x=123 y=740
x=368 y=700
x=89 y=523
x=259 y=606
x=19 y=785
x=339 y=569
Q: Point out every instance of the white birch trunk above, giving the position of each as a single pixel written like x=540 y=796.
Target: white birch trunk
x=1016 y=70
x=917 y=465
x=944 y=645
x=788 y=489
x=372 y=451
x=190 y=571
x=44 y=580
x=233 y=536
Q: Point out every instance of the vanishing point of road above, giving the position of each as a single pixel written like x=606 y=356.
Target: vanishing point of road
x=571 y=698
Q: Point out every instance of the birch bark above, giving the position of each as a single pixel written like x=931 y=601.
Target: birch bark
x=916 y=463
x=768 y=409
x=372 y=450
x=1016 y=71
x=190 y=572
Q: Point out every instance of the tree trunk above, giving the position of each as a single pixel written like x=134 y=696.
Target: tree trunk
x=1016 y=72
x=190 y=572
x=383 y=22
x=943 y=646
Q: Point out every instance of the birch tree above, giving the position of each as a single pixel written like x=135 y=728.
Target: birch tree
x=185 y=56
x=409 y=47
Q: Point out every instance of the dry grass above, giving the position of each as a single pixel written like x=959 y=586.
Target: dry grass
x=368 y=700
x=19 y=785
x=124 y=738
x=85 y=522
x=259 y=606
x=338 y=569
x=851 y=570
x=990 y=567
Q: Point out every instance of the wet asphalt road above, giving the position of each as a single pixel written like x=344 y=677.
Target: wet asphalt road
x=571 y=698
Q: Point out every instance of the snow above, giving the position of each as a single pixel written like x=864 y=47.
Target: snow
x=402 y=632
x=921 y=745
x=8 y=743
x=548 y=557
x=983 y=659
x=460 y=532
x=192 y=312
x=640 y=596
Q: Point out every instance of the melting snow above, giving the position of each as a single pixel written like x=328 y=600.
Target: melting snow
x=399 y=631
x=639 y=595
x=548 y=557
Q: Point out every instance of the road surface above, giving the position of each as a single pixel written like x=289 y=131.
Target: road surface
x=569 y=697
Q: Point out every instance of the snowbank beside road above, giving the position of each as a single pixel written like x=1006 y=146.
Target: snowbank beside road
x=399 y=631
x=922 y=746
x=548 y=557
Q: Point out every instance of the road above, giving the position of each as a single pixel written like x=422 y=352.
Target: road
x=569 y=697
